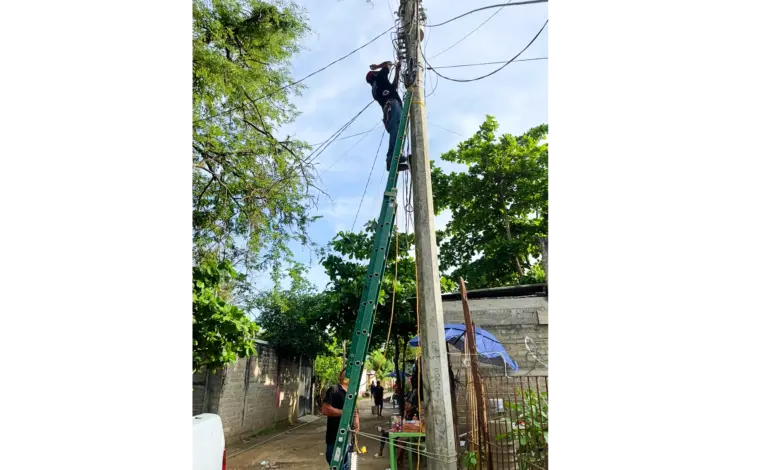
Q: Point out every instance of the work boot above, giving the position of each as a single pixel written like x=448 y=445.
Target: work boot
x=402 y=164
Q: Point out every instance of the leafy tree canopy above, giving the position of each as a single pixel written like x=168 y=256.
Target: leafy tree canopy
x=499 y=207
x=292 y=320
x=379 y=364
x=250 y=188
x=221 y=331
x=346 y=261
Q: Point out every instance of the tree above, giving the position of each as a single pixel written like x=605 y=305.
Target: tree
x=250 y=189
x=499 y=207
x=291 y=320
x=346 y=261
x=379 y=364
x=221 y=331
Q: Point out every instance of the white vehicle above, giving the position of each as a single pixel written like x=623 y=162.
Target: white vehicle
x=208 y=443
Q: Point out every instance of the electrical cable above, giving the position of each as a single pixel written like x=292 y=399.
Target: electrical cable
x=494 y=71
x=485 y=63
x=346 y=137
x=310 y=158
x=444 y=128
x=348 y=150
x=376 y=154
x=485 y=8
x=427 y=454
x=336 y=134
x=473 y=30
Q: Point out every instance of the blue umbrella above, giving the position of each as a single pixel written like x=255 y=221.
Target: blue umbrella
x=393 y=374
x=490 y=350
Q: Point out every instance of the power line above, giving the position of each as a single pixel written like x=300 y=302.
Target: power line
x=485 y=63
x=463 y=80
x=486 y=8
x=348 y=151
x=336 y=134
x=444 y=128
x=427 y=74
x=473 y=31
x=346 y=137
x=326 y=143
x=376 y=154
x=307 y=76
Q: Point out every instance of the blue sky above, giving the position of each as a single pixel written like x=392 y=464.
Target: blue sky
x=517 y=95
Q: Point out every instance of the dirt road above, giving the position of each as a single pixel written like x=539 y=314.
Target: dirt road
x=302 y=445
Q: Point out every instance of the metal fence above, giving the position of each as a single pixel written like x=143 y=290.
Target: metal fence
x=517 y=417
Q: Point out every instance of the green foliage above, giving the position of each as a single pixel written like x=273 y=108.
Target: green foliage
x=346 y=261
x=447 y=285
x=499 y=207
x=379 y=363
x=529 y=428
x=250 y=189
x=221 y=331
x=327 y=370
x=471 y=459
x=291 y=320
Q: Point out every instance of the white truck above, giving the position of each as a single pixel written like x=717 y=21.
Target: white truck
x=208 y=443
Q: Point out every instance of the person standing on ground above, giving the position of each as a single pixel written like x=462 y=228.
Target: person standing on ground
x=378 y=398
x=332 y=409
x=372 y=387
x=385 y=93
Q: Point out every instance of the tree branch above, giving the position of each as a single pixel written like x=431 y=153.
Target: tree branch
x=200 y=196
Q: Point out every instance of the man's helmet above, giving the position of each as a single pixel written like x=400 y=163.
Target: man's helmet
x=370 y=76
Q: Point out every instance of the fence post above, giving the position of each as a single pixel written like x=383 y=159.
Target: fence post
x=470 y=338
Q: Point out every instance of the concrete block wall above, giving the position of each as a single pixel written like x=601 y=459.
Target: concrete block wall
x=511 y=320
x=251 y=394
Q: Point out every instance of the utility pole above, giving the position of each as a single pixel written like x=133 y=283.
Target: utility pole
x=439 y=425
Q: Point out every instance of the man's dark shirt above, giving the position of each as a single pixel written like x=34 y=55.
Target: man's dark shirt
x=378 y=394
x=382 y=89
x=335 y=397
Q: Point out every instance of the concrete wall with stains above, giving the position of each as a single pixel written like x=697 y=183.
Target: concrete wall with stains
x=511 y=320
x=254 y=393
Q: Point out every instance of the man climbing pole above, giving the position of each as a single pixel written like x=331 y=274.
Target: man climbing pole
x=386 y=94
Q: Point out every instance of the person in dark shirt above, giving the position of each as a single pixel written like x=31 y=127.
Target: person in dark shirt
x=334 y=401
x=378 y=398
x=396 y=399
x=385 y=93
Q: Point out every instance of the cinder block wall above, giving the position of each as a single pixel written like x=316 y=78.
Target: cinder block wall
x=511 y=320
x=250 y=395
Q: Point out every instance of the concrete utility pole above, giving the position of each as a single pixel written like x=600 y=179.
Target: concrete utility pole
x=439 y=432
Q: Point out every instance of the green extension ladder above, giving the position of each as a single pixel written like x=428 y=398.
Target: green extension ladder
x=365 y=317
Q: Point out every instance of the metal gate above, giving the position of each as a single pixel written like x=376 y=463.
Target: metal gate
x=305 y=386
